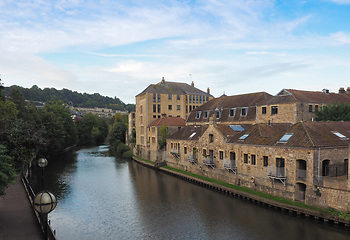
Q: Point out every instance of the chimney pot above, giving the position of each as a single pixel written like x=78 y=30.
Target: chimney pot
x=208 y=90
x=192 y=84
x=163 y=80
x=341 y=90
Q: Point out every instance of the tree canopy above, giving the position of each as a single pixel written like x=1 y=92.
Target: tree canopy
x=334 y=112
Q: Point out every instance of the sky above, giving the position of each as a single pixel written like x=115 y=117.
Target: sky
x=117 y=48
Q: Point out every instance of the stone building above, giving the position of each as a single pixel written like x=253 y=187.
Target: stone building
x=171 y=99
x=293 y=106
x=270 y=144
x=306 y=161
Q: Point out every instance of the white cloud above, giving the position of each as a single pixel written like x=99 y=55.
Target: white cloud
x=341 y=1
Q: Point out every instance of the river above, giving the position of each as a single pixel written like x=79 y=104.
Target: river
x=101 y=197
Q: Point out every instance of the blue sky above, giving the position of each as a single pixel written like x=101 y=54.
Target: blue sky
x=118 y=48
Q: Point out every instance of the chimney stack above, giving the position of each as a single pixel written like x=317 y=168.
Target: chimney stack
x=208 y=90
x=163 y=80
x=192 y=84
x=341 y=90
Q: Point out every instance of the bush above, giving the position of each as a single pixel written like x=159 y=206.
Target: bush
x=128 y=154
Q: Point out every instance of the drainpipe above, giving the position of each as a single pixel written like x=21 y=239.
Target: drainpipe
x=319 y=162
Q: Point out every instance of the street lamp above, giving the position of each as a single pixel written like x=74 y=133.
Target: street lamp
x=42 y=162
x=44 y=202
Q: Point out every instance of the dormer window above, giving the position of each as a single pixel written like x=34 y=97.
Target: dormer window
x=244 y=111
x=206 y=114
x=198 y=114
x=232 y=112
x=217 y=113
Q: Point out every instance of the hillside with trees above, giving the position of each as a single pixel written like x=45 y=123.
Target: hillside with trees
x=83 y=100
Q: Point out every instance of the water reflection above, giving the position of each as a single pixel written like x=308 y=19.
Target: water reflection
x=101 y=197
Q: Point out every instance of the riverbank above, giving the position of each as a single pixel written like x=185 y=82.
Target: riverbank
x=267 y=200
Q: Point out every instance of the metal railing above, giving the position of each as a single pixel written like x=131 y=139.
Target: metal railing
x=192 y=159
x=276 y=172
x=230 y=164
x=208 y=161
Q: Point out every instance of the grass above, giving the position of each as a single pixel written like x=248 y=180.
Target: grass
x=330 y=211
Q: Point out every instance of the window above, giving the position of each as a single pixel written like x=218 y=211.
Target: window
x=170 y=107
x=204 y=152
x=266 y=161
x=341 y=136
x=207 y=99
x=244 y=111
x=245 y=158
x=263 y=110
x=232 y=112
x=193 y=98
x=196 y=99
x=310 y=108
x=198 y=114
x=232 y=156
x=170 y=96
x=153 y=129
x=316 y=108
x=158 y=97
x=211 y=138
x=186 y=109
x=190 y=98
x=154 y=97
x=206 y=114
x=244 y=136
x=192 y=135
x=200 y=99
x=153 y=140
x=237 y=128
x=274 y=109
x=154 y=108
x=154 y=116
x=217 y=113
x=190 y=108
x=158 y=116
x=185 y=150
x=286 y=137
x=141 y=109
x=178 y=97
x=141 y=120
x=178 y=107
x=253 y=159
x=221 y=155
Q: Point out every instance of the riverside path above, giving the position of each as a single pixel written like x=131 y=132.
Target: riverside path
x=17 y=219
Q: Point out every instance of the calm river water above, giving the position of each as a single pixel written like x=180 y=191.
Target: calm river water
x=100 y=197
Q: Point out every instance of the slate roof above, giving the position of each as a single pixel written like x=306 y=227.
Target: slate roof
x=304 y=134
x=225 y=103
x=168 y=121
x=173 y=88
x=186 y=132
x=294 y=96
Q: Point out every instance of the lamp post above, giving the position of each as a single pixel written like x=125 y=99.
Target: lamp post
x=42 y=162
x=44 y=202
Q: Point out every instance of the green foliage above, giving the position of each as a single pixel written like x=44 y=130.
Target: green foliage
x=60 y=130
x=128 y=154
x=67 y=96
x=118 y=132
x=163 y=136
x=2 y=97
x=338 y=213
x=92 y=130
x=334 y=112
x=7 y=170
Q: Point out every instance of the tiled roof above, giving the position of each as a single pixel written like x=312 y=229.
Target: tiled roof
x=293 y=96
x=303 y=134
x=225 y=103
x=173 y=88
x=187 y=133
x=168 y=121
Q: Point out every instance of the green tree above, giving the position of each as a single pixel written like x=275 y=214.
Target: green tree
x=60 y=130
x=7 y=170
x=163 y=136
x=92 y=130
x=334 y=112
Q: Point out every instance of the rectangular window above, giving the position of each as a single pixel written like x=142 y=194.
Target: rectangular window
x=206 y=114
x=158 y=97
x=217 y=114
x=158 y=108
x=266 y=161
x=263 y=110
x=170 y=96
x=158 y=116
x=198 y=114
x=185 y=150
x=154 y=97
x=310 y=108
x=244 y=111
x=190 y=98
x=178 y=97
x=232 y=156
x=204 y=152
x=154 y=116
x=154 y=108
x=153 y=140
x=211 y=138
x=245 y=158
x=190 y=108
x=186 y=109
x=193 y=98
x=207 y=99
x=253 y=159
x=178 y=107
x=232 y=112
x=221 y=155
x=196 y=99
x=170 y=107
x=274 y=109
x=200 y=99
